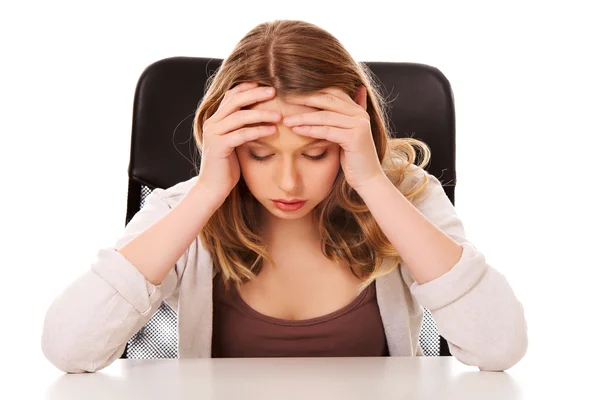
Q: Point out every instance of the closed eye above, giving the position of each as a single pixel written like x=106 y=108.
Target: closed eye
x=314 y=158
x=257 y=158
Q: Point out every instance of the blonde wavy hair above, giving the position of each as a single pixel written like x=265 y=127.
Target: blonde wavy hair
x=299 y=57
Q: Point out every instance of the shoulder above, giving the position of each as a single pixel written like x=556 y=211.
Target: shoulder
x=157 y=204
x=418 y=185
x=429 y=197
x=173 y=194
x=433 y=202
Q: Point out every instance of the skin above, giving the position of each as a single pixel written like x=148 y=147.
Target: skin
x=288 y=173
x=305 y=284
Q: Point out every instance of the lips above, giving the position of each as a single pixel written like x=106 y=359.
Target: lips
x=286 y=205
x=292 y=201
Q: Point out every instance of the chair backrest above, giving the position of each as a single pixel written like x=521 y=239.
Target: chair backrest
x=162 y=150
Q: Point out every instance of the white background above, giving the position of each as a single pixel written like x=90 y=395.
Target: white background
x=525 y=81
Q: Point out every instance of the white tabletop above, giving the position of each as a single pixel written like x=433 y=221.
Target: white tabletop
x=278 y=378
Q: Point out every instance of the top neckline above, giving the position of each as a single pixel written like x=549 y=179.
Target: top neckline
x=302 y=322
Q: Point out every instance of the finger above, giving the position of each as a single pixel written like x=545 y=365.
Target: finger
x=339 y=93
x=246 y=117
x=324 y=101
x=320 y=118
x=241 y=136
x=241 y=87
x=329 y=133
x=238 y=100
x=361 y=97
x=242 y=99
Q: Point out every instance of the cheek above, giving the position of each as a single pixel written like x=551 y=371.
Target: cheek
x=254 y=174
x=327 y=172
x=250 y=171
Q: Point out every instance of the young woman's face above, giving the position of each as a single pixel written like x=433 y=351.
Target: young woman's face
x=288 y=166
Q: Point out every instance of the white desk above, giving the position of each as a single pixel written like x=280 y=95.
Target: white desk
x=276 y=378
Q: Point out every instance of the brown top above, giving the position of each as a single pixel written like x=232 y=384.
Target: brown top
x=240 y=331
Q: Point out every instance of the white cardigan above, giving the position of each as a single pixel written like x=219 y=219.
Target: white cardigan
x=87 y=327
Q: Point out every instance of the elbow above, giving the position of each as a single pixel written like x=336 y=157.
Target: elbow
x=493 y=357
x=504 y=358
x=507 y=354
x=498 y=351
x=61 y=356
x=64 y=351
x=70 y=360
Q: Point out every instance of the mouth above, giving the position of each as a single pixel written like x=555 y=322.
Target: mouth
x=287 y=205
x=292 y=201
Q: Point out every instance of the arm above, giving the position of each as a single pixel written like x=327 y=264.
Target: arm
x=87 y=327
x=155 y=250
x=473 y=305
x=426 y=249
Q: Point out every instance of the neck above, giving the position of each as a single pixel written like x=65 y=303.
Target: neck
x=300 y=232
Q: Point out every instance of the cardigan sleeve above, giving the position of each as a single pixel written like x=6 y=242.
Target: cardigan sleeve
x=88 y=325
x=473 y=305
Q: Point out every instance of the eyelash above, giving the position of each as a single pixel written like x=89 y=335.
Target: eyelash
x=315 y=158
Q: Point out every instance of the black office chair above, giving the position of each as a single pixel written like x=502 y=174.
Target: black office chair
x=163 y=151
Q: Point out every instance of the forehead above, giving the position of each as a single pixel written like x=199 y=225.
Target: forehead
x=284 y=138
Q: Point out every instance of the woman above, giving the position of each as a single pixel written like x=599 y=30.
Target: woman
x=307 y=232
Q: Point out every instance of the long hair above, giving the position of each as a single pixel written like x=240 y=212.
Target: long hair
x=297 y=57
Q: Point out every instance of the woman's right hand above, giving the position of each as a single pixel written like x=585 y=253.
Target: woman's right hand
x=225 y=130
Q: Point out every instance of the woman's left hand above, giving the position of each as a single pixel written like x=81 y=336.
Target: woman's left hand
x=346 y=122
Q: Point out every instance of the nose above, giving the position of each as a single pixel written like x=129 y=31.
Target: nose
x=288 y=177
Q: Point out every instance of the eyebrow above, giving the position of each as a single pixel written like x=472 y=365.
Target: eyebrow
x=312 y=142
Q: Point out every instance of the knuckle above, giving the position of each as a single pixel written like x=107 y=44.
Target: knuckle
x=224 y=101
x=237 y=136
